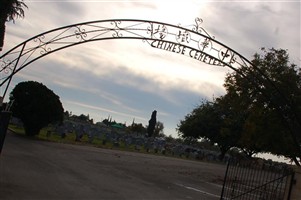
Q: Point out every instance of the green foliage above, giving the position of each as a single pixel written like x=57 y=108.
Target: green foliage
x=9 y=11
x=81 y=118
x=12 y=9
x=137 y=128
x=270 y=95
x=194 y=124
x=159 y=129
x=36 y=106
x=213 y=121
x=260 y=111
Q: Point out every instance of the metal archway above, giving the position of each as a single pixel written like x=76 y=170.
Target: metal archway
x=192 y=41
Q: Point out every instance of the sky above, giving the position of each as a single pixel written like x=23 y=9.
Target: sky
x=127 y=79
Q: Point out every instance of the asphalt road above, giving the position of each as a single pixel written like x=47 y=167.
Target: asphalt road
x=31 y=169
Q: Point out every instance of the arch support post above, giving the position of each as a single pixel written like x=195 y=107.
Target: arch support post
x=4 y=121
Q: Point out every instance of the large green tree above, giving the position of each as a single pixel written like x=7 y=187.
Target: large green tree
x=36 y=105
x=260 y=111
x=9 y=11
x=270 y=92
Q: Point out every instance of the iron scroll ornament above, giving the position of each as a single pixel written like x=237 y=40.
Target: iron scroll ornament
x=192 y=41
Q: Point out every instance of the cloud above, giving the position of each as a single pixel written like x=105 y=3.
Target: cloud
x=111 y=61
x=249 y=26
x=96 y=108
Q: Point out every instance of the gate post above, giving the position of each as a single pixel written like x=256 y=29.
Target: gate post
x=4 y=121
x=224 y=184
x=293 y=187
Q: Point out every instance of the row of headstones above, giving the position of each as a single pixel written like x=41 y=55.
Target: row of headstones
x=107 y=134
x=139 y=142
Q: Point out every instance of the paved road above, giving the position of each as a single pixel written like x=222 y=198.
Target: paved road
x=31 y=169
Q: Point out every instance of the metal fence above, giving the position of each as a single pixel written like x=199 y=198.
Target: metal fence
x=257 y=181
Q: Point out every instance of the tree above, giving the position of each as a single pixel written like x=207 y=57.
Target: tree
x=151 y=124
x=159 y=129
x=36 y=106
x=231 y=123
x=195 y=123
x=9 y=11
x=270 y=92
x=260 y=111
x=251 y=140
x=212 y=121
x=137 y=128
x=82 y=118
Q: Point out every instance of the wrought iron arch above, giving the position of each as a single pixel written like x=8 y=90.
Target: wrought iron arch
x=191 y=40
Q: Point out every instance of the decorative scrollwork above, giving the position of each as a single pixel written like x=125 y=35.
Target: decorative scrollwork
x=199 y=29
x=116 y=29
x=6 y=66
x=158 y=32
x=80 y=33
x=197 y=26
x=42 y=45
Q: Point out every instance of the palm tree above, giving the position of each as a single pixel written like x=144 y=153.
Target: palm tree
x=9 y=11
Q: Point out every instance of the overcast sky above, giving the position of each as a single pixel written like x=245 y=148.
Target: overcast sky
x=128 y=79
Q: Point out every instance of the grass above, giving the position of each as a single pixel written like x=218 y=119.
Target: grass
x=70 y=139
x=97 y=142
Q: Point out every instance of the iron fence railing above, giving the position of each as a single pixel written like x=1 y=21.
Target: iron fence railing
x=257 y=181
